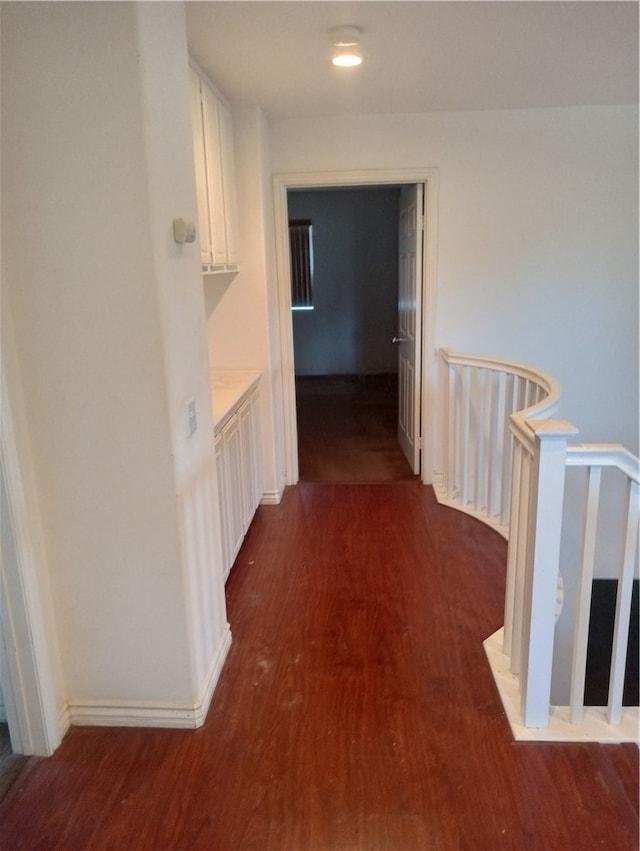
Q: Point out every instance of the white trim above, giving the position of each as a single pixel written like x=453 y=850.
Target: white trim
x=441 y=495
x=595 y=727
x=271 y=497
x=64 y=720
x=113 y=713
x=302 y=180
x=213 y=675
x=30 y=693
x=604 y=455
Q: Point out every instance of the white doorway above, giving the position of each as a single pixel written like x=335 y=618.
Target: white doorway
x=409 y=336
x=345 y=318
x=27 y=667
x=427 y=181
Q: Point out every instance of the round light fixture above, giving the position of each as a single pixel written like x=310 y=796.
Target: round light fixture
x=346 y=39
x=347 y=60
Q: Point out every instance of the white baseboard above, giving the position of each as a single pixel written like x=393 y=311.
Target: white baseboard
x=142 y=714
x=213 y=675
x=271 y=497
x=64 y=720
x=443 y=499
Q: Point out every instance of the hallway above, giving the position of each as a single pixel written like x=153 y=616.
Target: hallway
x=356 y=710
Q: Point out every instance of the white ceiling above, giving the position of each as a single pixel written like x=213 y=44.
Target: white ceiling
x=419 y=56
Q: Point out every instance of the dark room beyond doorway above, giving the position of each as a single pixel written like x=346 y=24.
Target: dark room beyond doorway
x=345 y=362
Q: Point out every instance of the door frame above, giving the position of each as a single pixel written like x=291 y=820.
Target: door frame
x=26 y=652
x=282 y=183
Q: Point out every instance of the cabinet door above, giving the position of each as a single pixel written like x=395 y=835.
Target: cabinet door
x=248 y=462
x=229 y=182
x=239 y=466
x=223 y=500
x=254 y=453
x=204 y=225
x=257 y=448
x=233 y=491
x=214 y=182
x=251 y=438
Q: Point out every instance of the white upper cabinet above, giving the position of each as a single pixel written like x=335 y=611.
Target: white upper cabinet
x=215 y=177
x=225 y=129
x=204 y=235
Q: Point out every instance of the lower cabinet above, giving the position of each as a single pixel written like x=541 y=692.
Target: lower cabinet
x=239 y=465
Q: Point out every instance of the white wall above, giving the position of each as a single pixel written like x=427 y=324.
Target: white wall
x=109 y=323
x=537 y=237
x=168 y=137
x=355 y=285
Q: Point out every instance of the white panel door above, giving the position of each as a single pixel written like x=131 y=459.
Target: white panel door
x=410 y=322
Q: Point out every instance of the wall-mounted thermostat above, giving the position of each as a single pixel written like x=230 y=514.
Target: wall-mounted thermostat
x=183 y=231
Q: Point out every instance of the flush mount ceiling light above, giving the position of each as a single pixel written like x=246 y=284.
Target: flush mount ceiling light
x=346 y=40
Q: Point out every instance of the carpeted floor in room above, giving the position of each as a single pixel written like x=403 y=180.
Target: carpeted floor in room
x=347 y=429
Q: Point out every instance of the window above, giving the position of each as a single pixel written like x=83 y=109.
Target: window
x=301 y=248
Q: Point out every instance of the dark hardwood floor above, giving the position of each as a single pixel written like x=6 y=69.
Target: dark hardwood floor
x=356 y=710
x=348 y=429
x=11 y=764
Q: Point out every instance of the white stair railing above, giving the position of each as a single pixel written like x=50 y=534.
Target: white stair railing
x=478 y=396
x=495 y=417
x=594 y=458
x=534 y=568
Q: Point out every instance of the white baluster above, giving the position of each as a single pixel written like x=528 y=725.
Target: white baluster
x=443 y=385
x=515 y=534
x=476 y=438
x=507 y=447
x=484 y=450
x=492 y=454
x=548 y=477
x=455 y=431
x=623 y=607
x=500 y=427
x=465 y=435
x=581 y=636
x=451 y=430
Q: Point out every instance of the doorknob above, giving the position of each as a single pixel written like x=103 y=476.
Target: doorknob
x=397 y=340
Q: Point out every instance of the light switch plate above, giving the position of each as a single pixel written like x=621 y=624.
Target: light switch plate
x=192 y=420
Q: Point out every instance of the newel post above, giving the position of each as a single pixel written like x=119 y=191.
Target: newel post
x=543 y=560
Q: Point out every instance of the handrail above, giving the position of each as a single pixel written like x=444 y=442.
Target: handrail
x=604 y=455
x=551 y=385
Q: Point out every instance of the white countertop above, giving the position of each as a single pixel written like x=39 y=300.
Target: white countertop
x=228 y=386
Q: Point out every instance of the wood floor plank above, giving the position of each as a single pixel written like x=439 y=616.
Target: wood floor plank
x=356 y=710
x=347 y=428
